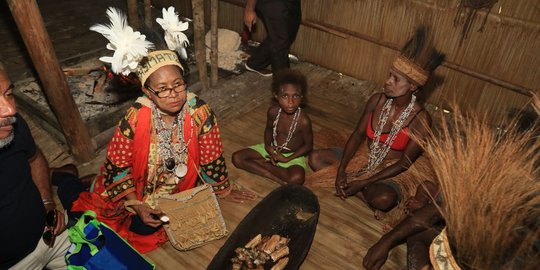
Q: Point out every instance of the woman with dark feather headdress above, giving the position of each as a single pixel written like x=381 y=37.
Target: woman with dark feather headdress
x=383 y=137
x=489 y=214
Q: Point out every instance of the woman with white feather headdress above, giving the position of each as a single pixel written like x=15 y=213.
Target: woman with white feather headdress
x=167 y=142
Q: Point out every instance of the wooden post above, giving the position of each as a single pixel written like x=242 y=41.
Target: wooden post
x=32 y=28
x=148 y=13
x=133 y=14
x=214 y=43
x=198 y=31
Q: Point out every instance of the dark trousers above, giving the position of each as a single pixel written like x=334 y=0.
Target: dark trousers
x=282 y=20
x=69 y=188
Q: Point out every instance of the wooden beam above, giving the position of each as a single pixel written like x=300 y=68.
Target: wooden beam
x=214 y=42
x=198 y=32
x=133 y=14
x=148 y=13
x=32 y=28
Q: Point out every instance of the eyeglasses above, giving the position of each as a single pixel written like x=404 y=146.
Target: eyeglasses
x=50 y=222
x=164 y=92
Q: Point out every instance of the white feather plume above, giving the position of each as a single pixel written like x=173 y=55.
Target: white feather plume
x=174 y=37
x=129 y=46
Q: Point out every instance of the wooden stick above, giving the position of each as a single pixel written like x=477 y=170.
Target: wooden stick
x=32 y=28
x=133 y=14
x=214 y=42
x=198 y=31
x=508 y=85
x=317 y=26
x=148 y=13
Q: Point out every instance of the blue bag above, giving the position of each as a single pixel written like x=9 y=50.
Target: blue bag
x=96 y=246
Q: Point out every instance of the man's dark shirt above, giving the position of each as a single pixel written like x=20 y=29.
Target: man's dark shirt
x=22 y=214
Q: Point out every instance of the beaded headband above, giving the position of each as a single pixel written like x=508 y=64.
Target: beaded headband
x=153 y=61
x=411 y=70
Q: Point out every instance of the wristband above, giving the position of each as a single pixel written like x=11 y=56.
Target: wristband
x=48 y=201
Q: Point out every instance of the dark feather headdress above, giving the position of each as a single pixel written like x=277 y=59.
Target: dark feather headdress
x=418 y=58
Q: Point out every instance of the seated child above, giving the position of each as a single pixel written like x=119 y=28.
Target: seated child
x=288 y=138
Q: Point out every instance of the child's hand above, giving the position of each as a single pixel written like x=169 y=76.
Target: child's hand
x=276 y=156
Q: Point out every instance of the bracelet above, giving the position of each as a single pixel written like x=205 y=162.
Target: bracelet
x=48 y=201
x=129 y=203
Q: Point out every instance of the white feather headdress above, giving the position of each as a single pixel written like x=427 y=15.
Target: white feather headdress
x=174 y=37
x=129 y=46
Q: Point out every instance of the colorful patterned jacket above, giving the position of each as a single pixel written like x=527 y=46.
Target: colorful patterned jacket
x=133 y=165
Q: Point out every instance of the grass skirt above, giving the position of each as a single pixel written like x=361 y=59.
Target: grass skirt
x=408 y=181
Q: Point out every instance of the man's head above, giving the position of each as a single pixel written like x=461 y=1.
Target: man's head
x=7 y=109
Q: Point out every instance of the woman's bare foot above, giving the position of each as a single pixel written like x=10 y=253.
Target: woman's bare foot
x=386 y=228
x=379 y=215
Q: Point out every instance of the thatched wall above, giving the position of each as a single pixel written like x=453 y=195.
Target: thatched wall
x=491 y=71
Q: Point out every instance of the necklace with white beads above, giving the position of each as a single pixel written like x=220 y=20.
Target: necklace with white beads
x=292 y=128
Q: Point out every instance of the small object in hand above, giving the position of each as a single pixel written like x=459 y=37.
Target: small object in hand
x=164 y=219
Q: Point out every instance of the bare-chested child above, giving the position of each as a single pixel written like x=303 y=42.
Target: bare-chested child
x=288 y=137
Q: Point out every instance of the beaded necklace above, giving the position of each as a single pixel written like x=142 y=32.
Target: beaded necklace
x=173 y=155
x=379 y=150
x=292 y=128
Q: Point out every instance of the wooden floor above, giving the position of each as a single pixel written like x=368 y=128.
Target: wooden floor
x=346 y=229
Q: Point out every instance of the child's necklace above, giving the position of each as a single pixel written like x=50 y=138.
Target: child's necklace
x=292 y=128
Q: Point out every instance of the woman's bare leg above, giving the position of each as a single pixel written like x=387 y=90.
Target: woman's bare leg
x=322 y=158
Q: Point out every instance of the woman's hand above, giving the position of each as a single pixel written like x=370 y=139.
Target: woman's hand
x=355 y=187
x=341 y=183
x=145 y=212
x=376 y=255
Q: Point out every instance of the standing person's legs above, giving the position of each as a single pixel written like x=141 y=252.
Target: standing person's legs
x=282 y=20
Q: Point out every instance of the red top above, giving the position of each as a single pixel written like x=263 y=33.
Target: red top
x=401 y=141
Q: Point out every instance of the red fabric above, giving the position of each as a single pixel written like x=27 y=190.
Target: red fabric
x=141 y=148
x=401 y=141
